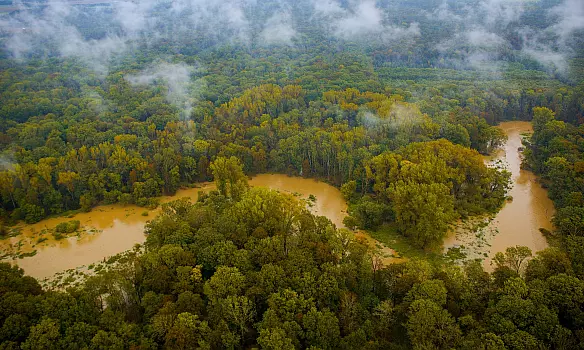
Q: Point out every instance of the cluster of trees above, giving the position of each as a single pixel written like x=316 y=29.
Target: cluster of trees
x=72 y=149
x=126 y=144
x=556 y=152
x=514 y=97
x=426 y=186
x=244 y=268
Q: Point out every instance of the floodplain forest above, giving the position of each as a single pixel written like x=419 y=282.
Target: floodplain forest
x=395 y=103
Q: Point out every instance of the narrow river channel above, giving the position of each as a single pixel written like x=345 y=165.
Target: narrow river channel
x=519 y=221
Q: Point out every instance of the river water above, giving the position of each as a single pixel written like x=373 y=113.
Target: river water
x=519 y=220
x=118 y=228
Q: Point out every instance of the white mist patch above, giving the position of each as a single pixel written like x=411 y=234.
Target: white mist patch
x=133 y=16
x=536 y=46
x=548 y=58
x=400 y=116
x=217 y=17
x=49 y=30
x=477 y=49
x=478 y=41
x=327 y=7
x=405 y=115
x=278 y=30
x=177 y=77
x=369 y=120
x=361 y=20
x=50 y=27
x=6 y=163
x=392 y=33
x=97 y=103
x=443 y=14
x=365 y=19
x=570 y=18
x=491 y=14
x=501 y=12
x=480 y=38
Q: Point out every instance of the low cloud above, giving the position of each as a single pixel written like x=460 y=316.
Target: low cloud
x=500 y=12
x=478 y=39
x=6 y=163
x=361 y=20
x=569 y=17
x=483 y=39
x=473 y=34
x=400 y=116
x=54 y=29
x=48 y=32
x=278 y=30
x=181 y=93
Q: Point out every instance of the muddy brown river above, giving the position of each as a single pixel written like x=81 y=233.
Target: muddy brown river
x=113 y=229
x=519 y=220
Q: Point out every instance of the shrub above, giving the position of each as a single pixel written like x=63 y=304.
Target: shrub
x=111 y=197
x=86 y=202
x=371 y=214
x=58 y=235
x=3 y=230
x=32 y=213
x=125 y=198
x=68 y=227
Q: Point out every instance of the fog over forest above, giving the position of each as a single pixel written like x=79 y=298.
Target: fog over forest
x=292 y=174
x=479 y=34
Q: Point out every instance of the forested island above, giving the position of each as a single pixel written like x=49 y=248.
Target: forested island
x=395 y=103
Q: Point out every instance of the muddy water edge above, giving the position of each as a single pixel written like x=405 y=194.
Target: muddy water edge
x=520 y=219
x=112 y=229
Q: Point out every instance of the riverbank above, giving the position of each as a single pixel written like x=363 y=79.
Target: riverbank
x=112 y=229
x=520 y=219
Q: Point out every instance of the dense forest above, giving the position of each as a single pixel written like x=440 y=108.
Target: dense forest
x=244 y=267
x=394 y=102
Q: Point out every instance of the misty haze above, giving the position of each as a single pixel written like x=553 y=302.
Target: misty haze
x=292 y=174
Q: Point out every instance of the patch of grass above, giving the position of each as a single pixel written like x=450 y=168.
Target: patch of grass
x=482 y=224
x=25 y=255
x=112 y=259
x=14 y=232
x=42 y=239
x=144 y=213
x=553 y=238
x=58 y=236
x=456 y=253
x=389 y=236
